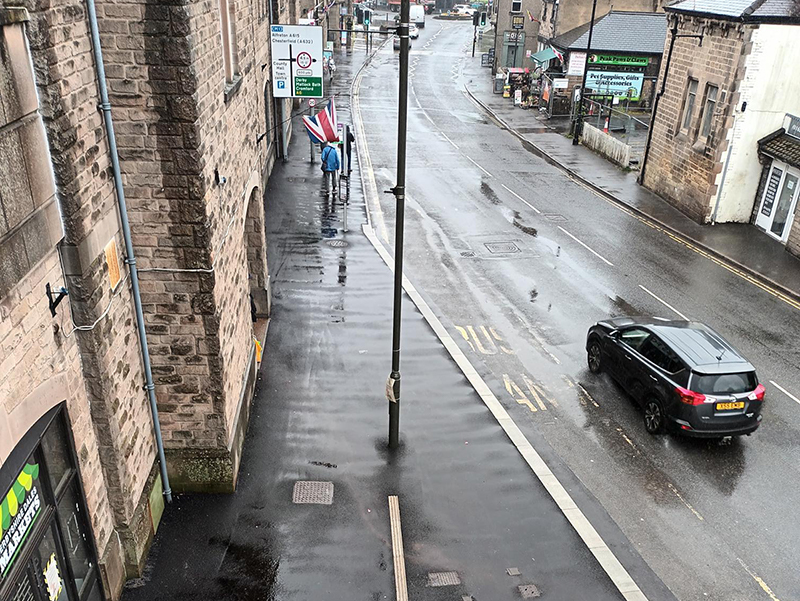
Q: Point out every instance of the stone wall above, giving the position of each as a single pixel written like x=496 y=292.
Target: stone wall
x=191 y=157
x=608 y=146
x=682 y=165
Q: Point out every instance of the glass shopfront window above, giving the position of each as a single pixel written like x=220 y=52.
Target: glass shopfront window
x=46 y=548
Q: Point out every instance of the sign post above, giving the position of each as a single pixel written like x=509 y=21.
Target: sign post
x=296 y=61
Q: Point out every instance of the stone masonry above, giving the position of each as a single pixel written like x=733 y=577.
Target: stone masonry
x=193 y=165
x=682 y=165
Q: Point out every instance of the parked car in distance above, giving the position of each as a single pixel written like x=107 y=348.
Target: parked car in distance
x=413 y=31
x=684 y=375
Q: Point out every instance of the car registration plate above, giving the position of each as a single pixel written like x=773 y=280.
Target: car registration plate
x=730 y=406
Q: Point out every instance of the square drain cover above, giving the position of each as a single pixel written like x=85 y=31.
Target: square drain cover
x=308 y=491
x=553 y=217
x=500 y=248
x=529 y=591
x=443 y=579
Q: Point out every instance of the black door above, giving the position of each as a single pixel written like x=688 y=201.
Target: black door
x=626 y=363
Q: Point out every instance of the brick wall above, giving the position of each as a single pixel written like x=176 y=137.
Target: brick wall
x=682 y=164
x=182 y=130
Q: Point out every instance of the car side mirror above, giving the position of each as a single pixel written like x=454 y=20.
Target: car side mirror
x=614 y=334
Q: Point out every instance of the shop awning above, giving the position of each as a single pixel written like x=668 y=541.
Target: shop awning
x=543 y=55
x=780 y=145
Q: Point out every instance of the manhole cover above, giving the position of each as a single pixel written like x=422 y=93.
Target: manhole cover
x=468 y=253
x=443 y=579
x=308 y=491
x=501 y=248
x=338 y=243
x=529 y=591
x=553 y=217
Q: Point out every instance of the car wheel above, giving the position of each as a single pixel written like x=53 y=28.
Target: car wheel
x=654 y=416
x=594 y=357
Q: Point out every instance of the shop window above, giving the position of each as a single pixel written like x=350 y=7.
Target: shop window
x=709 y=110
x=516 y=6
x=56 y=449
x=688 y=106
x=75 y=534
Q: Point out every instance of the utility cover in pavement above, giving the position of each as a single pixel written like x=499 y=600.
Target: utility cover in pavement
x=443 y=579
x=554 y=217
x=338 y=243
x=308 y=491
x=529 y=591
x=499 y=248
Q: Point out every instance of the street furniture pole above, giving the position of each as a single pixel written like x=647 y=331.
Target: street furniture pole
x=399 y=191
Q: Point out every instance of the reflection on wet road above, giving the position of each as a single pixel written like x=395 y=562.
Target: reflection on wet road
x=522 y=260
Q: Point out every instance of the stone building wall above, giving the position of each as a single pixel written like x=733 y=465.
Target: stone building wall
x=45 y=360
x=682 y=165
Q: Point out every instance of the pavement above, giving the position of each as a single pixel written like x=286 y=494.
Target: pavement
x=481 y=512
x=741 y=245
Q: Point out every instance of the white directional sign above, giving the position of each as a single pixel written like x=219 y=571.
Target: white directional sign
x=296 y=61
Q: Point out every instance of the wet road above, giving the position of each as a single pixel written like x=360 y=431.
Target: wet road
x=519 y=260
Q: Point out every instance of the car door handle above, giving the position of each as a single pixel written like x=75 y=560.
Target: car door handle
x=628 y=357
x=654 y=378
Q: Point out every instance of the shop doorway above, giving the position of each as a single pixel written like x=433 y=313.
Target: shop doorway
x=47 y=551
x=779 y=201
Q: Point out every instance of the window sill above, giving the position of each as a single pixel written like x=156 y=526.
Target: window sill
x=232 y=87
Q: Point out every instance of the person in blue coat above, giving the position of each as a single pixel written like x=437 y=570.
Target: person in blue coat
x=330 y=166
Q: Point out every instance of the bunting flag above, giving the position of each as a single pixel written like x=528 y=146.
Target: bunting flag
x=532 y=18
x=558 y=54
x=324 y=126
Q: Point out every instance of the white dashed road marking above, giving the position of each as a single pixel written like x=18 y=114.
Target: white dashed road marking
x=596 y=254
x=663 y=302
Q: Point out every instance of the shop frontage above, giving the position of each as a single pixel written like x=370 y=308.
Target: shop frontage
x=777 y=200
x=47 y=551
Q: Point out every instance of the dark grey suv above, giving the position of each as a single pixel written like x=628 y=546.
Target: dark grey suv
x=685 y=376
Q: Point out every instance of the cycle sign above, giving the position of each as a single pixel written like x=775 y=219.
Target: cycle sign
x=296 y=61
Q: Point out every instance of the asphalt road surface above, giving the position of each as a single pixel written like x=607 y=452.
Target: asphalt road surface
x=520 y=260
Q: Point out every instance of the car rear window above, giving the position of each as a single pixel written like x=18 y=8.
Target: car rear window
x=724 y=383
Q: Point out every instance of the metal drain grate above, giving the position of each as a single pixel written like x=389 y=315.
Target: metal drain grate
x=502 y=248
x=554 y=217
x=443 y=579
x=338 y=243
x=529 y=591
x=468 y=253
x=308 y=491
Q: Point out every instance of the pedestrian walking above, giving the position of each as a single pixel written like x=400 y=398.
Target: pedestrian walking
x=330 y=166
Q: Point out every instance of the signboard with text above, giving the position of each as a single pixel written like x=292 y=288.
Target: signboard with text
x=517 y=22
x=19 y=510
x=577 y=63
x=793 y=127
x=296 y=61
x=626 y=84
x=613 y=59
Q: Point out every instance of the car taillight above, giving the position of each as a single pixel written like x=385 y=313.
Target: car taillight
x=758 y=393
x=690 y=397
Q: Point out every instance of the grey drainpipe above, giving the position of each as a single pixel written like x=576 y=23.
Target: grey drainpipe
x=105 y=106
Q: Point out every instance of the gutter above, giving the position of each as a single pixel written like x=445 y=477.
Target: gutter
x=130 y=259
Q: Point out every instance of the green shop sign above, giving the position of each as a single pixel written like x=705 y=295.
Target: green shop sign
x=613 y=59
x=18 y=513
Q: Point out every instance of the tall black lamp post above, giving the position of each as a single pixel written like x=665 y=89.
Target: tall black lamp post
x=579 y=120
x=399 y=191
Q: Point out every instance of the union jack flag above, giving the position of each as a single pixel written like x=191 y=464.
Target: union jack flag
x=324 y=126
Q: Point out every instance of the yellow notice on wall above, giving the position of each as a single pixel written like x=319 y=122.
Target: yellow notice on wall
x=112 y=260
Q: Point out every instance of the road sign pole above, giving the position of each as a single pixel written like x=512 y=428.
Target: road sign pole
x=310 y=141
x=393 y=384
x=474 y=37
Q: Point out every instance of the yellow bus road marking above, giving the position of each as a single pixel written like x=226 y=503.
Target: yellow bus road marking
x=482 y=349
x=520 y=397
x=534 y=392
x=464 y=335
x=497 y=337
x=588 y=396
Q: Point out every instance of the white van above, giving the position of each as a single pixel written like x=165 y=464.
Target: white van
x=417 y=15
